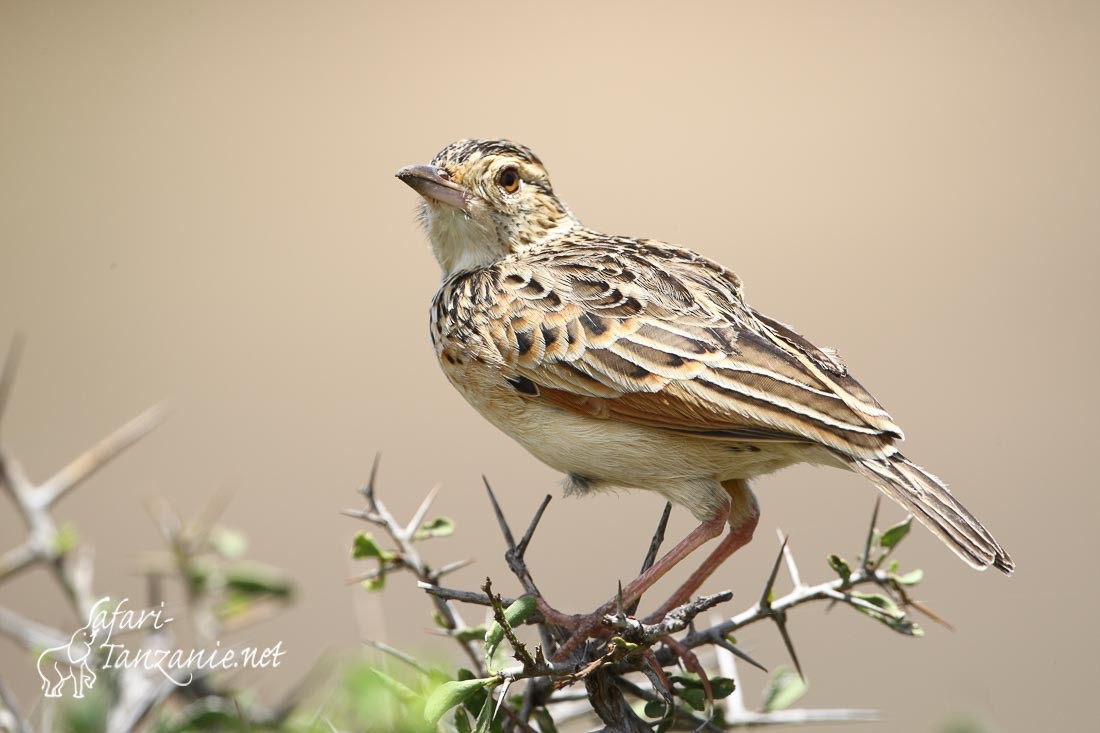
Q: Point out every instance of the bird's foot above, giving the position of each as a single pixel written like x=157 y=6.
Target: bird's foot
x=599 y=624
x=554 y=617
x=584 y=626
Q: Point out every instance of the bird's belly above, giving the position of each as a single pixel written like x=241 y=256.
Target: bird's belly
x=620 y=454
x=612 y=453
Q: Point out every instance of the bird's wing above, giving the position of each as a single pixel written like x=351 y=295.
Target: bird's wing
x=659 y=336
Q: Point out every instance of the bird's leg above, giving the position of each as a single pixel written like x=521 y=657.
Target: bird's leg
x=744 y=512
x=584 y=625
x=731 y=543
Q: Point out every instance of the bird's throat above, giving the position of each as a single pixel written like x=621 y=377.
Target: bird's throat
x=460 y=242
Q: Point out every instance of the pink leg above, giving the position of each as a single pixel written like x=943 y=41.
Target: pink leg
x=734 y=541
x=584 y=625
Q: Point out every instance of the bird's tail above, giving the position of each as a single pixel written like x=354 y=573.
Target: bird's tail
x=928 y=499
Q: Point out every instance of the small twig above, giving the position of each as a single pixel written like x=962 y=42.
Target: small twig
x=906 y=601
x=420 y=513
x=769 y=586
x=792 y=568
x=368 y=489
x=518 y=647
x=678 y=618
x=654 y=547
x=521 y=546
x=99 y=455
x=450 y=568
x=796 y=597
x=727 y=667
x=515 y=556
x=17 y=559
x=781 y=623
x=866 y=561
x=11 y=366
x=605 y=694
x=512 y=714
x=398 y=654
x=384 y=567
x=658 y=538
x=409 y=555
x=680 y=712
x=750 y=719
x=723 y=643
x=659 y=680
x=462 y=596
x=505 y=530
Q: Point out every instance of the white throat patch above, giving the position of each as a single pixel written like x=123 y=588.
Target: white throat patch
x=459 y=241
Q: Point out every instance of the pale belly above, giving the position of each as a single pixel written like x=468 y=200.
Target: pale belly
x=602 y=454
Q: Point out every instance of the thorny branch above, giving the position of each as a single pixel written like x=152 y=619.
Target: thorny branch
x=625 y=646
x=408 y=556
x=135 y=692
x=676 y=670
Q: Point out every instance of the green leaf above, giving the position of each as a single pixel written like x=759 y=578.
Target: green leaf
x=545 y=721
x=518 y=612
x=199 y=574
x=202 y=718
x=254 y=579
x=66 y=538
x=694 y=697
x=880 y=601
x=449 y=694
x=228 y=543
x=894 y=535
x=462 y=721
x=840 y=565
x=784 y=689
x=911 y=578
x=438 y=527
x=688 y=680
x=886 y=611
x=623 y=643
x=471 y=633
x=721 y=687
x=364 y=546
x=399 y=689
x=485 y=717
x=473 y=702
x=246 y=584
x=376 y=583
x=654 y=709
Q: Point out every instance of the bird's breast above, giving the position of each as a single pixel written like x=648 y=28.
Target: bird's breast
x=464 y=354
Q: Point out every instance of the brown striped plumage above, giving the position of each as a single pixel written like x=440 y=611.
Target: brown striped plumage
x=631 y=363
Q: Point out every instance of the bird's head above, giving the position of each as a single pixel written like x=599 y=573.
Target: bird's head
x=484 y=200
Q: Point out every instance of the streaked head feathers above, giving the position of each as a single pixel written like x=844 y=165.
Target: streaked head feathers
x=484 y=200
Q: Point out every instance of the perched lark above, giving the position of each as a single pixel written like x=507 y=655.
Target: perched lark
x=634 y=364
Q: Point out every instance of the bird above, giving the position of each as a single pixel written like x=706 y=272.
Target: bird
x=630 y=363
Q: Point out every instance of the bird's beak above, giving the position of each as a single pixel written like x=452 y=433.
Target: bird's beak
x=433 y=183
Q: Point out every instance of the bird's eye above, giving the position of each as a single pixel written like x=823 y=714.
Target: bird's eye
x=508 y=179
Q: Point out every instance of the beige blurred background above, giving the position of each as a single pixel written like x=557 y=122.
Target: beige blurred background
x=197 y=204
